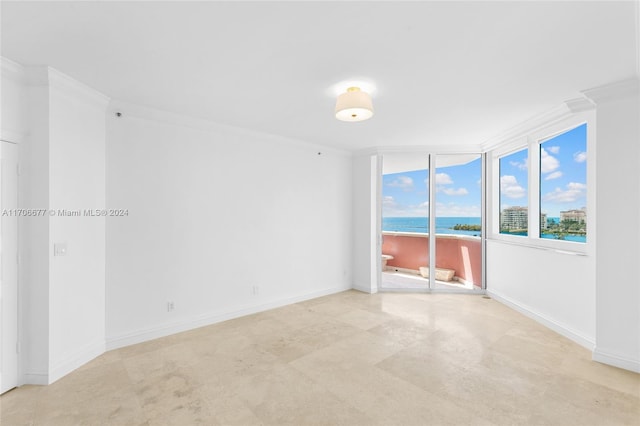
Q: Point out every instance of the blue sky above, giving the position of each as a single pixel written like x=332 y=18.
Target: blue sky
x=563 y=174
x=458 y=192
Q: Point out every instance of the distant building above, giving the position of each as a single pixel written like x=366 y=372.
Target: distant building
x=518 y=217
x=514 y=218
x=543 y=221
x=579 y=216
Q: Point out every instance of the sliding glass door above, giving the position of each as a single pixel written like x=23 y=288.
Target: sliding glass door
x=405 y=222
x=458 y=222
x=442 y=193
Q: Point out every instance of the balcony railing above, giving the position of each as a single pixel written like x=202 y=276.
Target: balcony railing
x=461 y=253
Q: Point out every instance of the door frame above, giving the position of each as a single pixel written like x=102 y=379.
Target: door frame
x=10 y=150
x=377 y=213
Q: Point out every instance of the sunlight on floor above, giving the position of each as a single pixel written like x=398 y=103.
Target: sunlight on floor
x=397 y=280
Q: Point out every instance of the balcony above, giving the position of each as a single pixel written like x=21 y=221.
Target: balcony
x=410 y=251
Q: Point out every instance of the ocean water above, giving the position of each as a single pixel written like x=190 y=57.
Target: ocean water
x=444 y=225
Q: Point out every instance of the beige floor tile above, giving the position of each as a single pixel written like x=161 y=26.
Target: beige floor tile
x=227 y=408
x=555 y=410
x=294 y=344
x=359 y=349
x=174 y=398
x=530 y=351
x=104 y=359
x=580 y=366
x=440 y=368
x=18 y=406
x=364 y=319
x=331 y=308
x=405 y=332
x=81 y=386
x=160 y=361
x=604 y=402
x=345 y=359
x=383 y=396
x=286 y=396
x=225 y=370
x=297 y=316
x=120 y=407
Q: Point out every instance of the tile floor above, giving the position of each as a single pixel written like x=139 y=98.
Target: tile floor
x=400 y=280
x=344 y=359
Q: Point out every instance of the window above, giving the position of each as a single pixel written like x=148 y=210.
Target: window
x=540 y=191
x=514 y=204
x=563 y=186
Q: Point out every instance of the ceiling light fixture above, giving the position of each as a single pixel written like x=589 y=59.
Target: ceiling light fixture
x=354 y=105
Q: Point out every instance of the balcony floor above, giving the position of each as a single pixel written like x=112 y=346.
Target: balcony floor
x=400 y=280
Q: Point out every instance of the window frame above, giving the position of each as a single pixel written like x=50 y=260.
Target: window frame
x=521 y=145
x=532 y=141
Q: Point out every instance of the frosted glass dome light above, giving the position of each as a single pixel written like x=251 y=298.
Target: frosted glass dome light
x=354 y=105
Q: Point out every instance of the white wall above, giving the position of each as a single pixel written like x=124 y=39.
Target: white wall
x=60 y=125
x=593 y=299
x=76 y=182
x=365 y=216
x=213 y=212
x=618 y=204
x=34 y=236
x=13 y=106
x=557 y=289
x=13 y=128
x=550 y=281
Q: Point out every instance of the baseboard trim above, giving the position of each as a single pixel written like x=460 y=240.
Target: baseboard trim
x=35 y=379
x=150 y=333
x=365 y=289
x=616 y=360
x=554 y=325
x=76 y=360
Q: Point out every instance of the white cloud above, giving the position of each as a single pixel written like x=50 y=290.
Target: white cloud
x=402 y=182
x=573 y=192
x=553 y=149
x=553 y=175
x=388 y=200
x=548 y=163
x=390 y=208
x=510 y=188
x=443 y=179
x=456 y=210
x=451 y=191
x=580 y=157
x=521 y=165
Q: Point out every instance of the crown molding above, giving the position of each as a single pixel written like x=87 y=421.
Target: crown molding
x=558 y=113
x=45 y=76
x=580 y=105
x=419 y=149
x=613 y=91
x=37 y=75
x=140 y=112
x=12 y=70
x=69 y=85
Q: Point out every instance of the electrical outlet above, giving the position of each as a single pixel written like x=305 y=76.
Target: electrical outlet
x=170 y=306
x=60 y=249
x=255 y=290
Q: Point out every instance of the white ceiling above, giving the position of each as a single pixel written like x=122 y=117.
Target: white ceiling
x=446 y=73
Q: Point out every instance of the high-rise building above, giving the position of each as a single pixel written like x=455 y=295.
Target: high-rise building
x=577 y=215
x=514 y=218
x=543 y=221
